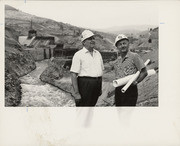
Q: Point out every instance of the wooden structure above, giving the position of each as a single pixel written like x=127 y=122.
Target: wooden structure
x=60 y=51
x=41 y=47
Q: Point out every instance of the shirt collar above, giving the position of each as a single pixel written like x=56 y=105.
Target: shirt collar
x=127 y=55
x=87 y=51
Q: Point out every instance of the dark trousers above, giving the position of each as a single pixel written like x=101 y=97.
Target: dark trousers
x=129 y=98
x=90 y=90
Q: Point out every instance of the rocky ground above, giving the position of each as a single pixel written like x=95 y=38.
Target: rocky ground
x=55 y=74
x=12 y=74
x=17 y=64
x=12 y=88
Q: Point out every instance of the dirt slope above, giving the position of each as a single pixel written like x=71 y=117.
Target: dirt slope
x=17 y=63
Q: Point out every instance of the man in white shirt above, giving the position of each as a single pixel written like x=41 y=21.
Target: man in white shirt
x=86 y=72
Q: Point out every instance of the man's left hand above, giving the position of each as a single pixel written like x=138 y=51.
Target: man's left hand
x=134 y=83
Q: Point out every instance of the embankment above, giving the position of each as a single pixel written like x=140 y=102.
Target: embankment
x=55 y=74
x=17 y=64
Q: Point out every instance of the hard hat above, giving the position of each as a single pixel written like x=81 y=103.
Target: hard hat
x=86 y=34
x=120 y=37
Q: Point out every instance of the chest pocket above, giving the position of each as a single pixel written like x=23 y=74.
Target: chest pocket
x=129 y=69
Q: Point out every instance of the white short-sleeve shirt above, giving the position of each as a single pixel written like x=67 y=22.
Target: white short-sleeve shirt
x=86 y=64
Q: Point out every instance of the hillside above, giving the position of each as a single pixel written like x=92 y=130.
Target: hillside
x=63 y=33
x=17 y=63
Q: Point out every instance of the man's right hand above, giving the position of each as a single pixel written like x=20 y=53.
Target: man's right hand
x=77 y=97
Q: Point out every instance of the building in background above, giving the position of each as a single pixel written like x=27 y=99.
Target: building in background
x=41 y=47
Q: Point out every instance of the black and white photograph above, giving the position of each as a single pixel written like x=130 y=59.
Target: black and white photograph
x=89 y=73
x=81 y=54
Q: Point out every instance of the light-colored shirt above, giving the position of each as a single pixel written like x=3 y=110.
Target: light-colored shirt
x=86 y=64
x=130 y=64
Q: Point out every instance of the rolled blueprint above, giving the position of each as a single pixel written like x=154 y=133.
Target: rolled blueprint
x=147 y=61
x=123 y=81
x=151 y=72
x=133 y=78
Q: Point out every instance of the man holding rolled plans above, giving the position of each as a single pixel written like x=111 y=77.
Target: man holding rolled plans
x=127 y=63
x=86 y=72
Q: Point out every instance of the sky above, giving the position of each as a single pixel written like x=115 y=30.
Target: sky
x=93 y=14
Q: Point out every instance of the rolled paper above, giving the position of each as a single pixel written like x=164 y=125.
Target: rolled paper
x=134 y=78
x=151 y=72
x=123 y=81
x=147 y=61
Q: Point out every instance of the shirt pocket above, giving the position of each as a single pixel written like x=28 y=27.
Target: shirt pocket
x=129 y=69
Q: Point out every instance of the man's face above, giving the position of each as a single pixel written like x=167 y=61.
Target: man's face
x=123 y=46
x=89 y=43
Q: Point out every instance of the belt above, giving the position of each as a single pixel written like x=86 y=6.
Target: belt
x=87 y=77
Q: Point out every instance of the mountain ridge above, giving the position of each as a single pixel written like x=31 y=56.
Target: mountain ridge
x=128 y=29
x=67 y=33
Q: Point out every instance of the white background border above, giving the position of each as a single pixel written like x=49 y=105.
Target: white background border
x=105 y=126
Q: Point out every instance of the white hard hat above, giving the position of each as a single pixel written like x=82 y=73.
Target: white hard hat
x=86 y=34
x=120 y=37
